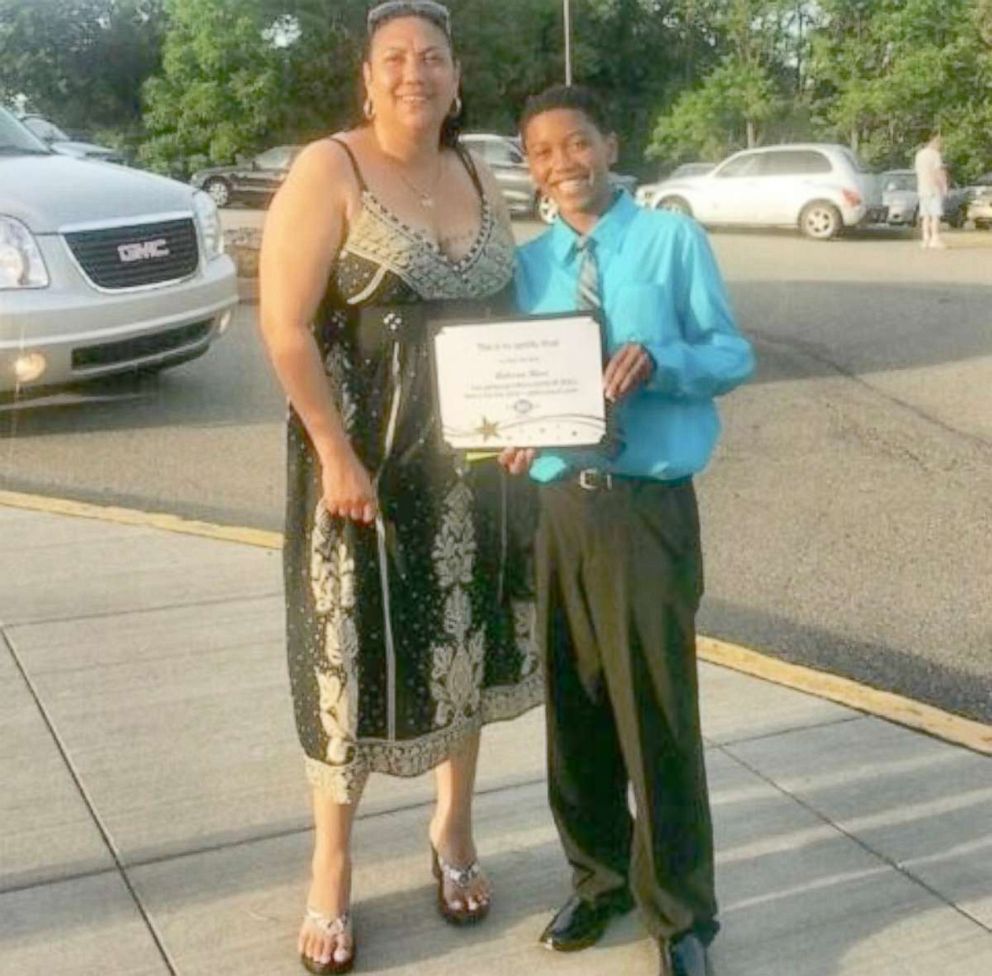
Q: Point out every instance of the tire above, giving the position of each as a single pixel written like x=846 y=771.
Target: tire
x=546 y=209
x=983 y=225
x=956 y=220
x=675 y=204
x=820 y=221
x=219 y=190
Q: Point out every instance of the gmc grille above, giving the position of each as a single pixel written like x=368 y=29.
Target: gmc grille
x=144 y=254
x=140 y=347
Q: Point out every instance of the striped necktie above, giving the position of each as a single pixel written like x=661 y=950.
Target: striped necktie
x=588 y=296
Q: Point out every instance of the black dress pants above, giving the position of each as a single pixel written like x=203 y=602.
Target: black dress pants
x=619 y=574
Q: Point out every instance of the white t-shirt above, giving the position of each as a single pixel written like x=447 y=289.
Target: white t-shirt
x=929 y=172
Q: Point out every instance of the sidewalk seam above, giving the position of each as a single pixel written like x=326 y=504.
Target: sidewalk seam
x=87 y=802
x=217 y=601
x=715 y=743
x=867 y=848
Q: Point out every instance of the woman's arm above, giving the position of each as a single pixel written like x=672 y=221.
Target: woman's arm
x=304 y=231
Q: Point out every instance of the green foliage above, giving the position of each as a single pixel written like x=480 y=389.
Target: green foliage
x=80 y=62
x=891 y=72
x=200 y=81
x=238 y=75
x=721 y=116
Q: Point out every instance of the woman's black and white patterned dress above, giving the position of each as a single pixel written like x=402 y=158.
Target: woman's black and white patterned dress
x=405 y=637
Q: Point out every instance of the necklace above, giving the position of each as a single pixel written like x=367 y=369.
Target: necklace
x=424 y=197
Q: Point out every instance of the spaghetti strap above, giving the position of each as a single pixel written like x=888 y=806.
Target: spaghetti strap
x=353 y=161
x=466 y=157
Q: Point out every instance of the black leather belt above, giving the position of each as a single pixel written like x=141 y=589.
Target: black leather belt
x=593 y=479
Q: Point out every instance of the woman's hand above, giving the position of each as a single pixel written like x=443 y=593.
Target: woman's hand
x=517 y=460
x=348 y=491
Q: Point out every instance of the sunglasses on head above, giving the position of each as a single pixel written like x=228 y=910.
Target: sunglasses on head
x=430 y=10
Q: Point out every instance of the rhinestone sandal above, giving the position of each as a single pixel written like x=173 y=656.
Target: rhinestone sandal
x=461 y=878
x=330 y=927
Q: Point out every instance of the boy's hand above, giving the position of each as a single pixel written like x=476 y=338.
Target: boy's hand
x=517 y=460
x=630 y=366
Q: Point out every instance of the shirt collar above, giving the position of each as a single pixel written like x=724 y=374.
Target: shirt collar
x=607 y=231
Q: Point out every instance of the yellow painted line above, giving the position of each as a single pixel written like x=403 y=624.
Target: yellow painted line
x=148 y=520
x=883 y=704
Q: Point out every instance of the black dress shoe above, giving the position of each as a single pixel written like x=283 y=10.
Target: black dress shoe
x=685 y=955
x=580 y=923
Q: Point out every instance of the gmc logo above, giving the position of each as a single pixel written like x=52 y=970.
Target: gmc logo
x=143 y=251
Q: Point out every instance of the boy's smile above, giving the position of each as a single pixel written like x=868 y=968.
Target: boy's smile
x=570 y=161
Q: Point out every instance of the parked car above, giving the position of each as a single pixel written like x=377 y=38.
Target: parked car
x=505 y=157
x=647 y=193
x=820 y=188
x=253 y=181
x=103 y=269
x=902 y=200
x=980 y=202
x=58 y=141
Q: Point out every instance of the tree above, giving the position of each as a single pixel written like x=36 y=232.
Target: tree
x=81 y=62
x=755 y=83
x=241 y=74
x=891 y=72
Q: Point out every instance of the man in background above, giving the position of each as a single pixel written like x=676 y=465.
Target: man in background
x=931 y=183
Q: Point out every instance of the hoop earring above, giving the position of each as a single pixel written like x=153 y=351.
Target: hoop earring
x=368 y=109
x=456 y=108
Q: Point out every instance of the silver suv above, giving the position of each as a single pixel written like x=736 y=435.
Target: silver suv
x=103 y=269
x=820 y=188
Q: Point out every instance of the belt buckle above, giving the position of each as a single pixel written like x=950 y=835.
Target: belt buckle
x=592 y=479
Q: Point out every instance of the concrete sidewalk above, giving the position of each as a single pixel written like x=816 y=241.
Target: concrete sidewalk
x=153 y=814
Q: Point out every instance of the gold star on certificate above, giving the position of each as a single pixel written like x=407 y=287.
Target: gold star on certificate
x=488 y=428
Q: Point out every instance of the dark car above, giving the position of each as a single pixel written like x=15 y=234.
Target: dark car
x=61 y=142
x=900 y=196
x=252 y=181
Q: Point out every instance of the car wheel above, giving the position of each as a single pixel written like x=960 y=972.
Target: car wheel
x=820 y=220
x=675 y=204
x=547 y=209
x=983 y=225
x=956 y=220
x=219 y=190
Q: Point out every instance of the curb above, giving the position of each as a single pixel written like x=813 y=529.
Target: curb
x=248 y=291
x=139 y=519
x=907 y=712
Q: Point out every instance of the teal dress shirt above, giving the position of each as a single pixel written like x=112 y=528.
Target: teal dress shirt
x=660 y=286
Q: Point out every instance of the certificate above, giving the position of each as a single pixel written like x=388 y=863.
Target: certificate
x=525 y=382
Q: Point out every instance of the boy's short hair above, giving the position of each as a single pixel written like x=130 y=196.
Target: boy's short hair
x=576 y=97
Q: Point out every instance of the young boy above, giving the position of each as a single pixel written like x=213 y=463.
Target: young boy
x=618 y=547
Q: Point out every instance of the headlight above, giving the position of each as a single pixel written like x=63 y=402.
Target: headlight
x=208 y=220
x=21 y=264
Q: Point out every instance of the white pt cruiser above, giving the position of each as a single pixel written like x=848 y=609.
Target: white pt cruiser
x=103 y=269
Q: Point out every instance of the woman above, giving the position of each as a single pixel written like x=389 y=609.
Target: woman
x=404 y=631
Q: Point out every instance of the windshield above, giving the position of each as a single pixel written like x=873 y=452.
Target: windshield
x=15 y=138
x=44 y=129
